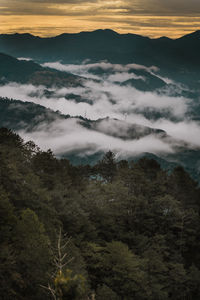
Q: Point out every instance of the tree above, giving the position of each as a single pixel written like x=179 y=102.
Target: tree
x=10 y=277
x=64 y=284
x=104 y=292
x=123 y=270
x=33 y=253
x=107 y=166
x=116 y=267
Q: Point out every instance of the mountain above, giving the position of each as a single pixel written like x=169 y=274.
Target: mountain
x=179 y=58
x=29 y=72
x=30 y=118
x=21 y=71
x=193 y=37
x=100 y=45
x=16 y=70
x=96 y=45
x=104 y=44
x=124 y=130
x=18 y=115
x=87 y=87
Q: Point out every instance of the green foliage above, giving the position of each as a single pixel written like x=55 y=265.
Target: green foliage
x=134 y=228
x=104 y=292
x=123 y=270
x=107 y=166
x=22 y=71
x=8 y=271
x=33 y=252
x=69 y=286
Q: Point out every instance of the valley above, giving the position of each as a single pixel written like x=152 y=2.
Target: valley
x=82 y=107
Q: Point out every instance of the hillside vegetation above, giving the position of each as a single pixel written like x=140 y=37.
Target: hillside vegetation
x=114 y=231
x=28 y=72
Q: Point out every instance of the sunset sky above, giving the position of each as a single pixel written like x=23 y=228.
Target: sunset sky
x=153 y=18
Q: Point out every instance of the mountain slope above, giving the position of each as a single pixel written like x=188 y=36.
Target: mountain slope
x=178 y=59
x=21 y=71
x=101 y=44
x=29 y=118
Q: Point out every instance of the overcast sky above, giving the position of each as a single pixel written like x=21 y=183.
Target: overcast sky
x=154 y=18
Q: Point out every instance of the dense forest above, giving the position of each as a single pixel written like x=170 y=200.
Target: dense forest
x=117 y=230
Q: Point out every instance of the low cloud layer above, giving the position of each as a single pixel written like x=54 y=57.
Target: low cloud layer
x=103 y=96
x=106 y=66
x=67 y=136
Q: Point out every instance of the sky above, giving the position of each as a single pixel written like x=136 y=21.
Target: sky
x=153 y=18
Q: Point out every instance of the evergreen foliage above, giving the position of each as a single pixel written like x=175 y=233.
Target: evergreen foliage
x=134 y=227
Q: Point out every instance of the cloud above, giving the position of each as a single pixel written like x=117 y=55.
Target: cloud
x=101 y=98
x=121 y=77
x=127 y=7
x=24 y=58
x=67 y=136
x=104 y=65
x=152 y=18
x=186 y=130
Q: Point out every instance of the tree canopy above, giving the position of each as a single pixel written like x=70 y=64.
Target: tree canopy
x=133 y=228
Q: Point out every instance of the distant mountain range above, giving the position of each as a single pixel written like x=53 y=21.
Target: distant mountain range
x=105 y=45
x=177 y=58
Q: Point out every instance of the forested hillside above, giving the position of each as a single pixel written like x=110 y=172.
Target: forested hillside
x=117 y=230
x=28 y=72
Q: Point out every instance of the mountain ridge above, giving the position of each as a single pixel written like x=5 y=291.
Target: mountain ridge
x=28 y=117
x=169 y=55
x=29 y=72
x=107 y=30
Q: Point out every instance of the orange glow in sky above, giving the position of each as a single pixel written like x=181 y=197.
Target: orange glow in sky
x=152 y=18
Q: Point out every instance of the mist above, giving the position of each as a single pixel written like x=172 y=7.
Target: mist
x=66 y=136
x=104 y=95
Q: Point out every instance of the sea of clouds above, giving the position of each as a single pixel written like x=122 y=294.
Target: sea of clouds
x=103 y=95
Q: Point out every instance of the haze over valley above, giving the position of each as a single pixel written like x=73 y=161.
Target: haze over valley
x=100 y=104
x=100 y=150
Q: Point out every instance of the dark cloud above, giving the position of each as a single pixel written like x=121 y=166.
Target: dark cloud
x=127 y=7
x=163 y=7
x=147 y=17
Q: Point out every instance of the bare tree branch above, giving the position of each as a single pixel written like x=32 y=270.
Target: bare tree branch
x=59 y=260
